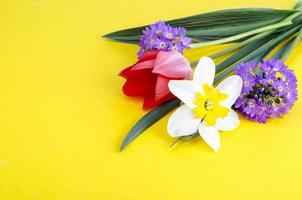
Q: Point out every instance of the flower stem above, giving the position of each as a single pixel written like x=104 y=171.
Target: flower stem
x=286 y=22
x=259 y=53
x=292 y=45
x=241 y=44
x=242 y=35
x=175 y=142
x=283 y=49
x=184 y=138
x=250 y=47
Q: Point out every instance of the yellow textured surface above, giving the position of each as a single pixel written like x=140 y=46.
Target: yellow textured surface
x=63 y=115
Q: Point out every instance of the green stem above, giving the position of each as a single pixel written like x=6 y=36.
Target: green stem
x=245 y=51
x=283 y=49
x=242 y=35
x=176 y=141
x=184 y=138
x=259 y=53
x=292 y=46
x=298 y=6
x=237 y=46
x=242 y=44
x=286 y=22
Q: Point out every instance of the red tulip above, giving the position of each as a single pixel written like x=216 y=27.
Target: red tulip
x=149 y=77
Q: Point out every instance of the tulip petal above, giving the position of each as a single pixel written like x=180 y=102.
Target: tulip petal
x=148 y=55
x=210 y=135
x=205 y=71
x=182 y=122
x=172 y=64
x=148 y=64
x=150 y=102
x=185 y=90
x=125 y=73
x=139 y=86
x=161 y=88
x=228 y=123
x=232 y=87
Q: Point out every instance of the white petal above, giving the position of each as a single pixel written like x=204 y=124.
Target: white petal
x=205 y=71
x=182 y=122
x=228 y=123
x=232 y=87
x=185 y=90
x=210 y=135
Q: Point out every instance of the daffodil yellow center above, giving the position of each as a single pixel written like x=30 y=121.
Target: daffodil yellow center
x=208 y=105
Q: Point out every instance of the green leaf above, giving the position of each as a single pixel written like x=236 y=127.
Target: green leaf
x=282 y=36
x=260 y=52
x=291 y=46
x=298 y=6
x=214 y=25
x=147 y=120
x=282 y=51
x=243 y=52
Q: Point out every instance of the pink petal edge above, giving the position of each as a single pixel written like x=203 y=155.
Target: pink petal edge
x=172 y=64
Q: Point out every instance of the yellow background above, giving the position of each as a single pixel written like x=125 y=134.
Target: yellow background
x=63 y=115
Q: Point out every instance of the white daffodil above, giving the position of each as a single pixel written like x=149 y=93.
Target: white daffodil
x=206 y=109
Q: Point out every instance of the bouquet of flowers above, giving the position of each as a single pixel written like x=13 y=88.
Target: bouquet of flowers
x=253 y=79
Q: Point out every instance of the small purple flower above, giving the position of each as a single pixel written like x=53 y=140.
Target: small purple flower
x=263 y=113
x=160 y=36
x=162 y=45
x=280 y=87
x=158 y=28
x=246 y=69
x=251 y=108
x=269 y=90
x=248 y=84
x=240 y=101
x=185 y=41
x=175 y=47
x=140 y=53
x=169 y=33
x=151 y=41
x=269 y=79
x=278 y=110
x=291 y=96
x=180 y=31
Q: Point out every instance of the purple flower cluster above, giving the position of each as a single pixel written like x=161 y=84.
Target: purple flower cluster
x=269 y=90
x=160 y=36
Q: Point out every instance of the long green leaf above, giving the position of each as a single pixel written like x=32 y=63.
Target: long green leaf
x=214 y=25
x=243 y=52
x=147 y=120
x=260 y=52
x=298 y=6
x=282 y=51
x=291 y=46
